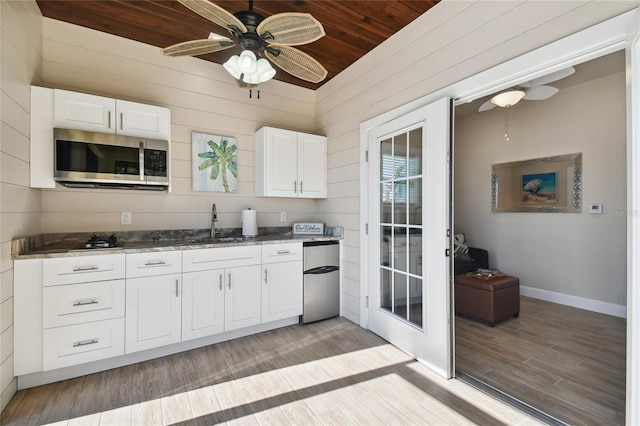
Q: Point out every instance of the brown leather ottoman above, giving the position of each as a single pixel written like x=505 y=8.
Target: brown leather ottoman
x=490 y=300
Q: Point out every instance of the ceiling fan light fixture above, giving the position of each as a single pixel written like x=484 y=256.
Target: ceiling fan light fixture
x=265 y=71
x=508 y=99
x=247 y=62
x=232 y=67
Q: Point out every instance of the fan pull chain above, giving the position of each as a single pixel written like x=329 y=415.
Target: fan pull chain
x=506 y=124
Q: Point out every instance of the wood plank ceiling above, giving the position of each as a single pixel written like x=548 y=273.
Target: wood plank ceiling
x=352 y=28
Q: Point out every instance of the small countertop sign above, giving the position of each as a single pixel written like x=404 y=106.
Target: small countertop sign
x=308 y=228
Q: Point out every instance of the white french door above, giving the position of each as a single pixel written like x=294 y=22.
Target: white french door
x=409 y=205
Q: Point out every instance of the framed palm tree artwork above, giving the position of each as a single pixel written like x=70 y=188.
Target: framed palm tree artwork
x=214 y=163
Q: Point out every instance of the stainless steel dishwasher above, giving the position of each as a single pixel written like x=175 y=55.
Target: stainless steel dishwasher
x=321 y=280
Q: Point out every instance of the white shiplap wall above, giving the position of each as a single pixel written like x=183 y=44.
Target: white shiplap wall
x=202 y=97
x=454 y=40
x=21 y=40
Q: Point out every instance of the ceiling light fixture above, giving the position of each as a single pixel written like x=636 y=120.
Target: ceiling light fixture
x=508 y=99
x=249 y=69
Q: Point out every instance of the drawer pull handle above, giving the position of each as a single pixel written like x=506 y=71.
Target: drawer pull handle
x=90 y=302
x=85 y=268
x=155 y=263
x=85 y=343
x=284 y=252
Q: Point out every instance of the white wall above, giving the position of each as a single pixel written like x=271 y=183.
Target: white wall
x=21 y=40
x=454 y=40
x=576 y=254
x=203 y=98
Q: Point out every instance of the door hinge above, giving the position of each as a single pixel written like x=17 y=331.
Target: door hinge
x=447 y=252
x=366 y=156
x=448 y=232
x=366 y=301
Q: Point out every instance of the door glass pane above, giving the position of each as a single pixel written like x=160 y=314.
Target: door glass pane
x=400 y=250
x=386 y=201
x=386 y=152
x=385 y=245
x=400 y=294
x=401 y=280
x=400 y=201
x=385 y=289
x=400 y=156
x=415 y=201
x=415 y=152
x=415 y=301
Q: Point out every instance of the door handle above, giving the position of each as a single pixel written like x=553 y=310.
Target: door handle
x=295 y=187
x=220 y=276
x=177 y=288
x=301 y=187
x=229 y=280
x=265 y=275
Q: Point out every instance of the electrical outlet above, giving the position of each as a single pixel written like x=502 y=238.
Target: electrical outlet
x=125 y=218
x=283 y=217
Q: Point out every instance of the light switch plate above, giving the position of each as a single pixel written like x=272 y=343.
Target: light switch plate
x=125 y=218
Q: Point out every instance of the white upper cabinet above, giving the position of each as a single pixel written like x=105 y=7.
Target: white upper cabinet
x=80 y=111
x=290 y=164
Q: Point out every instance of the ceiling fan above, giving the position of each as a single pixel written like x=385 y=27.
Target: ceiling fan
x=533 y=90
x=260 y=38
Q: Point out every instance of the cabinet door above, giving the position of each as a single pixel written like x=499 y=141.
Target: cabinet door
x=281 y=290
x=80 y=111
x=312 y=166
x=242 y=297
x=279 y=162
x=141 y=120
x=153 y=312
x=202 y=304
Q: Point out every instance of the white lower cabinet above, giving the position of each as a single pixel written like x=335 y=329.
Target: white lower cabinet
x=242 y=297
x=202 y=303
x=154 y=300
x=221 y=290
x=75 y=310
x=282 y=281
x=154 y=311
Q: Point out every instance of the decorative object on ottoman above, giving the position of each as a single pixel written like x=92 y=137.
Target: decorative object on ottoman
x=489 y=298
x=467 y=259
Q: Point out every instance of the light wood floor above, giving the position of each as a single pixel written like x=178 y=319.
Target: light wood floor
x=330 y=372
x=568 y=362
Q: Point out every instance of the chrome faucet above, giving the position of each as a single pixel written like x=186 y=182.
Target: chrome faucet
x=214 y=219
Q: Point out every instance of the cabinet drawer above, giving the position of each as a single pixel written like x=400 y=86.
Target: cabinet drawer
x=79 y=303
x=281 y=252
x=154 y=263
x=72 y=270
x=77 y=344
x=215 y=258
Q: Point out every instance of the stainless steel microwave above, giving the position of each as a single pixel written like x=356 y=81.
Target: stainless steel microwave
x=103 y=160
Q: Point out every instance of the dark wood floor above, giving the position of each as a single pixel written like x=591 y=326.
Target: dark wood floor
x=330 y=372
x=568 y=362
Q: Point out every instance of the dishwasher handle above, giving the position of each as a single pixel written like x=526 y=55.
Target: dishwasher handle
x=321 y=270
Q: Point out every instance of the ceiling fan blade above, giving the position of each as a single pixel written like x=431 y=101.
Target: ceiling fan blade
x=296 y=63
x=214 y=13
x=197 y=47
x=550 y=78
x=291 y=29
x=486 y=106
x=539 y=93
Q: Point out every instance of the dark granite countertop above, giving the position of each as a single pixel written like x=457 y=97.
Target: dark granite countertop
x=70 y=244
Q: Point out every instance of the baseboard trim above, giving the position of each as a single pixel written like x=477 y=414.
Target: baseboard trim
x=575 y=301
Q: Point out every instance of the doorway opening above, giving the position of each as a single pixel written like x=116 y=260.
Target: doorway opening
x=565 y=353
